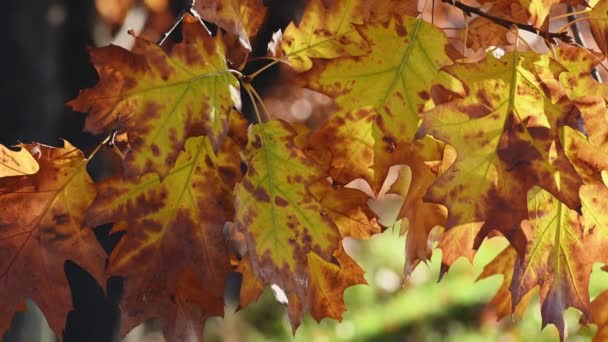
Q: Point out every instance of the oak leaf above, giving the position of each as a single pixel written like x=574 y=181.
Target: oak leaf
x=347 y=209
x=598 y=17
x=373 y=124
x=559 y=256
x=242 y=18
x=290 y=236
x=174 y=233
x=161 y=98
x=429 y=160
x=328 y=282
x=325 y=31
x=507 y=141
x=41 y=226
x=251 y=287
x=577 y=80
x=482 y=33
x=599 y=316
x=504 y=264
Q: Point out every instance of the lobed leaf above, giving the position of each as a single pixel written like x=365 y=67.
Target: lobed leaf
x=174 y=235
x=325 y=31
x=242 y=18
x=598 y=23
x=559 y=256
x=504 y=264
x=161 y=98
x=290 y=237
x=599 y=316
x=41 y=226
x=507 y=136
x=421 y=218
x=373 y=125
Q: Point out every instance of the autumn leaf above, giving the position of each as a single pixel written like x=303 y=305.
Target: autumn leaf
x=372 y=124
x=251 y=287
x=328 y=282
x=325 y=31
x=559 y=256
x=347 y=209
x=537 y=11
x=588 y=152
x=161 y=98
x=41 y=226
x=504 y=264
x=16 y=163
x=577 y=80
x=288 y=232
x=599 y=316
x=598 y=23
x=540 y=9
x=421 y=217
x=174 y=230
x=481 y=33
x=507 y=141
x=242 y=18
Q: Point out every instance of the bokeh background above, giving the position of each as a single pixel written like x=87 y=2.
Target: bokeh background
x=44 y=62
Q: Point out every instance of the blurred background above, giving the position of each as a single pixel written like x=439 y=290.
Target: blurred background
x=44 y=63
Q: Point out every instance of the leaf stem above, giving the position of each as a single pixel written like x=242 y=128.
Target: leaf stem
x=259 y=98
x=262 y=69
x=100 y=145
x=567 y=15
x=248 y=89
x=179 y=20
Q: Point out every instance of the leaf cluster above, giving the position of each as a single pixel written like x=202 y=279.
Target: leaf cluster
x=513 y=142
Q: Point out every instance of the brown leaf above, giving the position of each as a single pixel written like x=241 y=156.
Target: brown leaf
x=41 y=226
x=242 y=18
x=175 y=227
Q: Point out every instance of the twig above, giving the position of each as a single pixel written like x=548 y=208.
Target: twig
x=180 y=18
x=547 y=35
x=178 y=21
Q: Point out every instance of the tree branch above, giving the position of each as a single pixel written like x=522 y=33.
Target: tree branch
x=508 y=24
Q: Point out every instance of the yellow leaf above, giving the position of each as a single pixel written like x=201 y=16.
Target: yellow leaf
x=17 y=163
x=380 y=97
x=506 y=133
x=283 y=222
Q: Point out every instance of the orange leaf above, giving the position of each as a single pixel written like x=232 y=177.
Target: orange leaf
x=328 y=282
x=503 y=264
x=559 y=256
x=41 y=226
x=242 y=18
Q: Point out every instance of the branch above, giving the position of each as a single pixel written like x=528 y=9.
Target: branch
x=508 y=24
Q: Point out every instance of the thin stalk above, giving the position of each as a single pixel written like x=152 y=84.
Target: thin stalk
x=248 y=89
